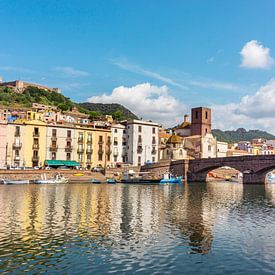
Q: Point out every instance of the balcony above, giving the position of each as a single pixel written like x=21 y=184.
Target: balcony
x=69 y=139
x=154 y=151
x=100 y=142
x=140 y=142
x=17 y=145
x=139 y=149
x=35 y=146
x=108 y=151
x=100 y=151
x=53 y=148
x=35 y=134
x=115 y=153
x=89 y=141
x=89 y=151
x=17 y=134
x=68 y=148
x=80 y=140
x=17 y=158
x=109 y=143
x=54 y=138
x=80 y=150
x=35 y=158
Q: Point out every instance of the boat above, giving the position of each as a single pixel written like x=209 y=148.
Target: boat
x=6 y=181
x=168 y=178
x=111 y=181
x=95 y=181
x=57 y=180
x=271 y=178
x=79 y=175
x=132 y=177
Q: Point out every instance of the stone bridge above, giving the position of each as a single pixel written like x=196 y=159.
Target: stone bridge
x=254 y=168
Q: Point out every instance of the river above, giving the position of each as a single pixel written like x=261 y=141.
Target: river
x=215 y=228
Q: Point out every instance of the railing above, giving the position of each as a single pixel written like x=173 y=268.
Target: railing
x=53 y=148
x=100 y=142
x=35 y=134
x=17 y=158
x=100 y=151
x=89 y=141
x=17 y=145
x=80 y=140
x=154 y=151
x=108 y=151
x=139 y=149
x=115 y=153
x=80 y=150
x=68 y=148
x=89 y=151
x=17 y=134
x=54 y=138
x=35 y=146
x=69 y=139
x=35 y=158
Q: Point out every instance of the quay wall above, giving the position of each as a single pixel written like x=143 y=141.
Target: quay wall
x=36 y=174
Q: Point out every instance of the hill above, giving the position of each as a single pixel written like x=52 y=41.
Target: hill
x=31 y=95
x=117 y=110
x=240 y=134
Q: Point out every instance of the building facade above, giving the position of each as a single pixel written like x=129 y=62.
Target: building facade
x=142 y=142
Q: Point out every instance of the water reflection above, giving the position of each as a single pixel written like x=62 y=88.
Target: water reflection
x=120 y=228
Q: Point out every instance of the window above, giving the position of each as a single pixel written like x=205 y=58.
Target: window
x=206 y=115
x=68 y=156
x=153 y=159
x=108 y=157
x=115 y=141
x=139 y=139
x=209 y=148
x=139 y=160
x=115 y=158
x=69 y=133
x=100 y=138
x=153 y=130
x=17 y=153
x=196 y=114
x=206 y=131
x=100 y=157
x=54 y=132
x=154 y=140
x=180 y=152
x=17 y=131
x=115 y=130
x=139 y=129
x=53 y=155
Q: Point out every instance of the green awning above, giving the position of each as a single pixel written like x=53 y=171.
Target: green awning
x=69 y=163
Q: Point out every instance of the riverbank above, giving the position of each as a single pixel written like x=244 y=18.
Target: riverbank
x=72 y=175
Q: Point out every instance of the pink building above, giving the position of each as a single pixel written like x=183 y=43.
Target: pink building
x=3 y=144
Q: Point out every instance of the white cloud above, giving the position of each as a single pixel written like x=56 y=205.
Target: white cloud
x=136 y=69
x=69 y=71
x=255 y=55
x=185 y=82
x=146 y=101
x=252 y=112
x=15 y=69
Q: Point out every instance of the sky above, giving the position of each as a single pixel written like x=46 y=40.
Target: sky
x=158 y=58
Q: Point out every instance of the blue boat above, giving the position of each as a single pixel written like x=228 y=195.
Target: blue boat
x=111 y=181
x=169 y=179
x=95 y=181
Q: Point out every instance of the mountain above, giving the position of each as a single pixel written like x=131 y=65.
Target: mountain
x=10 y=98
x=109 y=109
x=240 y=134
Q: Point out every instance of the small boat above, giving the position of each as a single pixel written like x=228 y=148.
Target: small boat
x=271 y=178
x=78 y=174
x=5 y=181
x=169 y=179
x=111 y=181
x=95 y=181
x=57 y=180
x=132 y=177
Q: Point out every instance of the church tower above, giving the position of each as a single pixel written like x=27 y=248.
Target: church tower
x=201 y=121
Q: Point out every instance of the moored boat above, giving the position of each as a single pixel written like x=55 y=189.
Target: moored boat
x=95 y=181
x=111 y=181
x=168 y=178
x=131 y=177
x=7 y=181
x=57 y=180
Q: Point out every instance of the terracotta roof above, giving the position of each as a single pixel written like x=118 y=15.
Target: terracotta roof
x=175 y=139
x=164 y=135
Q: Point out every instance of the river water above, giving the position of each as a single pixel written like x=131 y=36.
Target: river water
x=212 y=228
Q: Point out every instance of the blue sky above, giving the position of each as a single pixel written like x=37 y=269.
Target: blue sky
x=90 y=48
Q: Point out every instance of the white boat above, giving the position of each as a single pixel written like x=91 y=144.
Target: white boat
x=168 y=178
x=271 y=177
x=5 y=181
x=58 y=179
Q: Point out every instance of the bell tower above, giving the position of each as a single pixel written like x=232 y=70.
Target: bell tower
x=201 y=121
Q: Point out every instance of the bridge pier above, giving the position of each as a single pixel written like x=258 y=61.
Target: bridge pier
x=254 y=178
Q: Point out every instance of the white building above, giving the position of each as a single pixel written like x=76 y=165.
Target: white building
x=118 y=144
x=142 y=142
x=222 y=148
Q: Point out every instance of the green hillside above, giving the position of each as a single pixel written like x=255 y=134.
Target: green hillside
x=31 y=95
x=240 y=134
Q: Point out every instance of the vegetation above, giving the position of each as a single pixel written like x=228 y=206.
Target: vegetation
x=118 y=111
x=35 y=95
x=240 y=135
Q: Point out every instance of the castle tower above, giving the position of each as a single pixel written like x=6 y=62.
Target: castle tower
x=201 y=121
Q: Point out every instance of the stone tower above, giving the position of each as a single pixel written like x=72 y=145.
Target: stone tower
x=201 y=121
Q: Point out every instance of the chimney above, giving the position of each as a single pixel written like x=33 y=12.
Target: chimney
x=186 y=118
